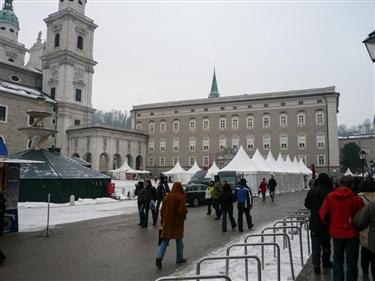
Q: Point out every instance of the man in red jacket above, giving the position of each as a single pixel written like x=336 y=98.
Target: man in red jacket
x=338 y=210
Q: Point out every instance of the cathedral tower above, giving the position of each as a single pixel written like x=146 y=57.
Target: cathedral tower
x=68 y=66
x=10 y=49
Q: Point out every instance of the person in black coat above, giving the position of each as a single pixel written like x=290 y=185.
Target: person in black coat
x=138 y=188
x=226 y=200
x=320 y=238
x=162 y=190
x=2 y=214
x=148 y=196
x=271 y=187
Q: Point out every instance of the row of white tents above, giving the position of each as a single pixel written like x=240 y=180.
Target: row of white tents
x=290 y=175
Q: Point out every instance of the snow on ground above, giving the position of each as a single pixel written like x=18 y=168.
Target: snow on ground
x=237 y=267
x=33 y=215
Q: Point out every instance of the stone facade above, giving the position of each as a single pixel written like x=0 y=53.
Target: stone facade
x=300 y=123
x=107 y=148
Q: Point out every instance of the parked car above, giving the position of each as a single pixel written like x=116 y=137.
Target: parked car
x=195 y=189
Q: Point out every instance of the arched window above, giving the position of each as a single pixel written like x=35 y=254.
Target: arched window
x=80 y=42
x=57 y=40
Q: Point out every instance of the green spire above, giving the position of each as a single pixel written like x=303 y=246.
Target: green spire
x=214 y=91
x=7 y=14
x=8 y=5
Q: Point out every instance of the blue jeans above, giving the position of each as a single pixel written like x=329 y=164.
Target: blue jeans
x=349 y=247
x=179 y=247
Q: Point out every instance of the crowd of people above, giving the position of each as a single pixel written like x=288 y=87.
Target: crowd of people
x=343 y=214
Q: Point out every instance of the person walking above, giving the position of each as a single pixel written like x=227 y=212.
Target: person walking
x=244 y=199
x=226 y=200
x=137 y=192
x=320 y=239
x=263 y=189
x=367 y=194
x=173 y=214
x=215 y=195
x=338 y=210
x=271 y=187
x=2 y=215
x=148 y=196
x=208 y=196
x=162 y=190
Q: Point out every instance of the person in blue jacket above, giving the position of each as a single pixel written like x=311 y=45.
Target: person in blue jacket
x=244 y=204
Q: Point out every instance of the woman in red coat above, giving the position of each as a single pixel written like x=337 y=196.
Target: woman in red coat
x=173 y=214
x=263 y=189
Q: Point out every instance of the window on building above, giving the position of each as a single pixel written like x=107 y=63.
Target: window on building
x=151 y=146
x=53 y=93
x=31 y=120
x=151 y=127
x=206 y=124
x=250 y=122
x=319 y=116
x=206 y=144
x=236 y=142
x=266 y=121
x=163 y=127
x=301 y=119
x=321 y=160
x=191 y=161
x=284 y=141
x=77 y=122
x=250 y=141
x=266 y=105
x=318 y=101
x=205 y=161
x=80 y=42
x=283 y=120
x=3 y=113
x=235 y=123
x=162 y=161
x=176 y=126
x=57 y=40
x=320 y=141
x=175 y=160
x=105 y=144
x=162 y=145
x=192 y=126
x=222 y=142
x=300 y=102
x=266 y=141
x=192 y=110
x=249 y=106
x=176 y=145
x=301 y=142
x=283 y=104
x=222 y=123
x=129 y=146
x=78 y=95
x=192 y=144
x=117 y=145
x=75 y=143
x=151 y=161
x=138 y=126
x=222 y=108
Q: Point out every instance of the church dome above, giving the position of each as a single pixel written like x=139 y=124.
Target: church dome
x=7 y=15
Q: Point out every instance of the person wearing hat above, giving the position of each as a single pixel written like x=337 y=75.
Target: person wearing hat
x=244 y=204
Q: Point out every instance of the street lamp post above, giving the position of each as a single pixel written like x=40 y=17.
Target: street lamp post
x=370 y=45
x=362 y=156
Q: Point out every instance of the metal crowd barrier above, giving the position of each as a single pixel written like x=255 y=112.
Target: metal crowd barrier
x=301 y=222
x=286 y=236
x=256 y=258
x=245 y=245
x=206 y=277
x=289 y=227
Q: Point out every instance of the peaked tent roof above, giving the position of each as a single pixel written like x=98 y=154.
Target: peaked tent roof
x=304 y=167
x=348 y=173
x=125 y=168
x=195 y=168
x=290 y=166
x=273 y=163
x=283 y=164
x=297 y=166
x=213 y=170
x=177 y=169
x=54 y=166
x=261 y=163
x=241 y=163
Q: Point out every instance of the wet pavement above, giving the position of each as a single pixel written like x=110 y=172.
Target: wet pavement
x=115 y=248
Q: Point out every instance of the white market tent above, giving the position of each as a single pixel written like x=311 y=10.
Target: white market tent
x=291 y=167
x=303 y=166
x=120 y=173
x=212 y=171
x=261 y=163
x=348 y=173
x=274 y=164
x=297 y=166
x=241 y=163
x=178 y=173
x=195 y=168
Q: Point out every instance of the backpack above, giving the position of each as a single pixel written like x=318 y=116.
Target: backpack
x=241 y=194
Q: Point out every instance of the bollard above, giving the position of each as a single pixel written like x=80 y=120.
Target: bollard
x=72 y=200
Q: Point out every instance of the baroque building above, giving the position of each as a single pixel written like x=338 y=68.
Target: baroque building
x=60 y=71
x=301 y=123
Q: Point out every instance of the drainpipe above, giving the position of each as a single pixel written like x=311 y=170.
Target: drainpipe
x=328 y=150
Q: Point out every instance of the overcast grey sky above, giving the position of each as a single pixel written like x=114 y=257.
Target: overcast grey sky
x=161 y=51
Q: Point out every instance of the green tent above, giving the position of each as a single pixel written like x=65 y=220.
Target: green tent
x=58 y=175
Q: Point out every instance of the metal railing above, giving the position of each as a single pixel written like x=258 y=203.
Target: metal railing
x=285 y=228
x=227 y=258
x=206 y=277
x=301 y=222
x=245 y=245
x=289 y=246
